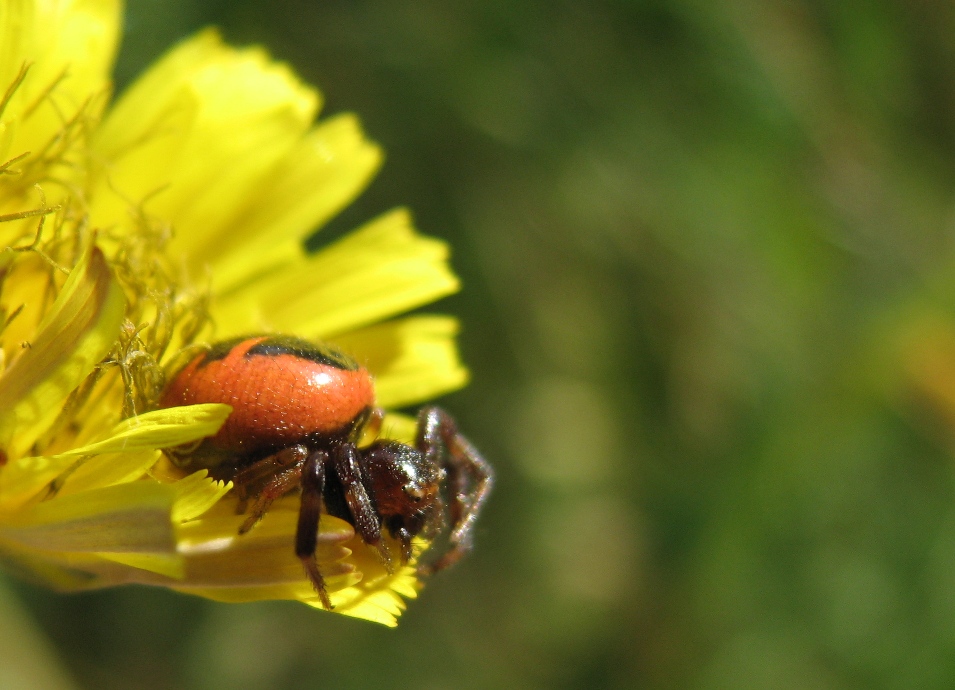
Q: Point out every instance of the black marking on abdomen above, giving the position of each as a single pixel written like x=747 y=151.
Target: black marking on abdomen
x=273 y=345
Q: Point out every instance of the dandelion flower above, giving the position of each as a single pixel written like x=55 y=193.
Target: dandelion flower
x=132 y=233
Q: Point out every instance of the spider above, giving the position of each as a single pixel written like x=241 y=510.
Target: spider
x=299 y=409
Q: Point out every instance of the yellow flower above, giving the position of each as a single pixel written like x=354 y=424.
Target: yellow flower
x=133 y=232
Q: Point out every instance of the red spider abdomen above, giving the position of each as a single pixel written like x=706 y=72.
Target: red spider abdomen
x=282 y=391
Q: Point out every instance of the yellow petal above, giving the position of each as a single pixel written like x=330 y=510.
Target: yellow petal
x=165 y=564
x=25 y=477
x=196 y=494
x=412 y=359
x=76 y=570
x=166 y=428
x=378 y=595
x=200 y=133
x=132 y=517
x=377 y=599
x=126 y=453
x=69 y=47
x=380 y=270
x=108 y=469
x=27 y=277
x=300 y=591
x=57 y=573
x=217 y=557
x=220 y=564
x=217 y=532
x=75 y=336
x=318 y=178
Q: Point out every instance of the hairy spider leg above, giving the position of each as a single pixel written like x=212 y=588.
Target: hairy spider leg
x=346 y=461
x=306 y=535
x=439 y=441
x=276 y=468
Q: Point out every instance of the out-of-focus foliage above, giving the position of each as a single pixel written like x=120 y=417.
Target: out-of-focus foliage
x=708 y=252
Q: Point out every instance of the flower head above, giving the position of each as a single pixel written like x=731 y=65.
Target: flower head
x=133 y=233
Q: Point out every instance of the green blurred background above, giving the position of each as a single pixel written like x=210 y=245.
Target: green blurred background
x=708 y=252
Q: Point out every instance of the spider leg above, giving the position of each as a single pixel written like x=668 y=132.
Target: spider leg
x=404 y=538
x=279 y=485
x=346 y=461
x=306 y=535
x=278 y=465
x=470 y=478
x=283 y=459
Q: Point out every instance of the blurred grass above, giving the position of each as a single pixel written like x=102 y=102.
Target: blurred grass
x=709 y=307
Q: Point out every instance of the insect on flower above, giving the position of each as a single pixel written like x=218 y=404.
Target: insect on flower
x=299 y=410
